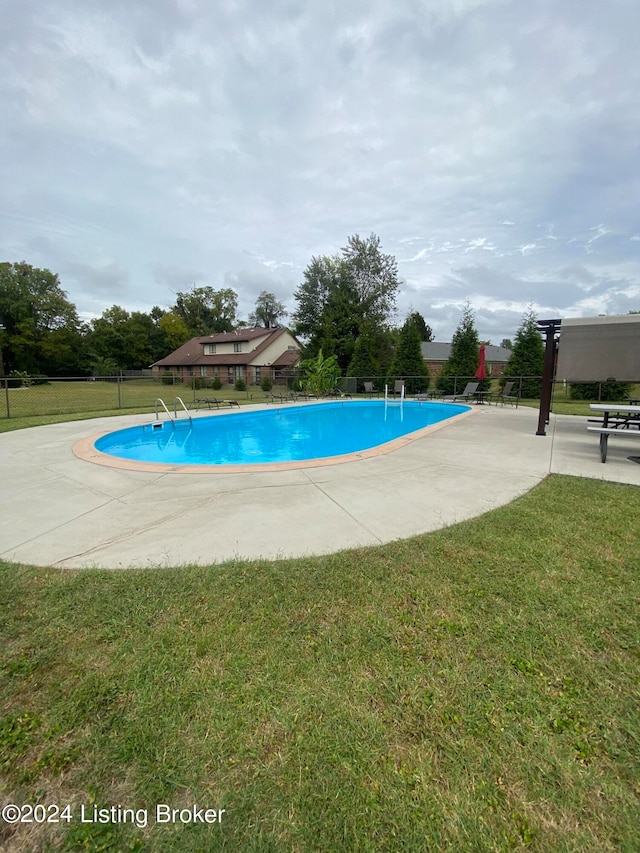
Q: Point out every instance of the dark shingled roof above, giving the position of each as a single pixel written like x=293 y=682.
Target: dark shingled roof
x=192 y=353
x=438 y=351
x=288 y=358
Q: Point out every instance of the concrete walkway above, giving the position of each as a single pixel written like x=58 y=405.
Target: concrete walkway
x=58 y=510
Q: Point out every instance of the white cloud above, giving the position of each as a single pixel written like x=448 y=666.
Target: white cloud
x=173 y=143
x=423 y=253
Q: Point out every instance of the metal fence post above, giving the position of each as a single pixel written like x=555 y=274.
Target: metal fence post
x=119 y=390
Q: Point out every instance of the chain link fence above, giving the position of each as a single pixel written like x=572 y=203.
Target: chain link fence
x=32 y=396
x=37 y=395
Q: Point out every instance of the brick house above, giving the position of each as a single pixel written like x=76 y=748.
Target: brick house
x=435 y=354
x=248 y=354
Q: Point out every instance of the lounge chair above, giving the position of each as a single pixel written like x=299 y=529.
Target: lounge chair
x=468 y=392
x=209 y=402
x=335 y=392
x=278 y=398
x=506 y=394
x=303 y=395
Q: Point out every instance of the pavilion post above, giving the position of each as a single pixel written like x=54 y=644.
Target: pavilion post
x=549 y=328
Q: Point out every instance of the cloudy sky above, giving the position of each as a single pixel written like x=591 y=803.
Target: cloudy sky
x=492 y=145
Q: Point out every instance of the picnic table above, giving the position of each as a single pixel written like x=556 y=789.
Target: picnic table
x=617 y=419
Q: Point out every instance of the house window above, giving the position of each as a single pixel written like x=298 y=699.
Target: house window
x=203 y=370
x=230 y=378
x=210 y=349
x=190 y=371
x=257 y=375
x=237 y=347
x=239 y=372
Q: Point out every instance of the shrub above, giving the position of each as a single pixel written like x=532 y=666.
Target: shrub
x=321 y=373
x=612 y=392
x=216 y=384
x=198 y=383
x=266 y=384
x=19 y=379
x=240 y=385
x=169 y=379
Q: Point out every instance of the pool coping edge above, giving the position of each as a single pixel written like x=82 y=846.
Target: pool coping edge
x=86 y=450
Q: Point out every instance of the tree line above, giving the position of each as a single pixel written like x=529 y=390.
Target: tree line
x=345 y=311
x=41 y=333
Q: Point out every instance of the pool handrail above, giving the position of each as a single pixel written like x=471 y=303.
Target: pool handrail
x=173 y=419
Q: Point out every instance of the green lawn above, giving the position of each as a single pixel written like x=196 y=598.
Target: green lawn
x=63 y=401
x=62 y=397
x=66 y=400
x=473 y=689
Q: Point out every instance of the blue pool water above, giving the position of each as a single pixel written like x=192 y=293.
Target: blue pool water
x=287 y=434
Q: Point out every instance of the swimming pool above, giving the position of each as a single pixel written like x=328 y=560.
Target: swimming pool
x=295 y=434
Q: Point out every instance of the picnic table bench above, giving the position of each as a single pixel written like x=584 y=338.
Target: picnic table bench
x=209 y=402
x=616 y=419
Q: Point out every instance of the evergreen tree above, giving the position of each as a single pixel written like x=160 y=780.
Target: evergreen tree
x=463 y=360
x=527 y=357
x=425 y=331
x=407 y=362
x=364 y=363
x=340 y=326
x=386 y=344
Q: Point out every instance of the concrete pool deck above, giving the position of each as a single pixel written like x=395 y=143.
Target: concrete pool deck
x=60 y=510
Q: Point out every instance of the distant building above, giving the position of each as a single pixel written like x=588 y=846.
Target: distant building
x=435 y=354
x=247 y=354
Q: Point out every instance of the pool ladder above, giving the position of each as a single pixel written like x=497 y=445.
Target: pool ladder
x=174 y=418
